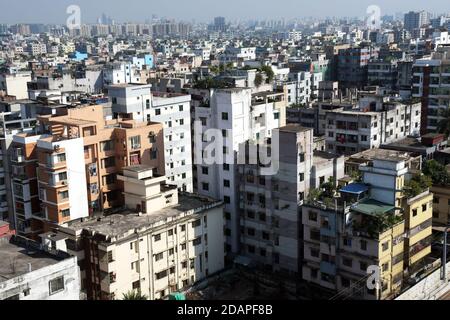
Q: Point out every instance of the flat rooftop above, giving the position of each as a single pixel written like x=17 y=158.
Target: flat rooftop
x=373 y=207
x=16 y=257
x=294 y=128
x=120 y=223
x=382 y=154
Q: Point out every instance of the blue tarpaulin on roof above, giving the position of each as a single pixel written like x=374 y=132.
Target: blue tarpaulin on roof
x=355 y=188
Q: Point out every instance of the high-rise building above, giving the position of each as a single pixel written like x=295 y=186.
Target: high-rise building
x=173 y=112
x=232 y=116
x=270 y=204
x=415 y=20
x=431 y=80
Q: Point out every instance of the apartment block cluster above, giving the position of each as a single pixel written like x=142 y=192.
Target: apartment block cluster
x=150 y=157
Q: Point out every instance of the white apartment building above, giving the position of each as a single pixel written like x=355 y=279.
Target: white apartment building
x=232 y=116
x=232 y=54
x=15 y=84
x=173 y=111
x=300 y=90
x=172 y=242
x=376 y=121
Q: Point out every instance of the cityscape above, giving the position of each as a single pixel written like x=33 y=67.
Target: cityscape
x=171 y=156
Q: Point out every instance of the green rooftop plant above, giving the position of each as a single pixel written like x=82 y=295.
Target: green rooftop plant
x=418 y=184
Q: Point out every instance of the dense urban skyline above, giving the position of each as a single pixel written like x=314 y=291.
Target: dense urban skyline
x=48 y=11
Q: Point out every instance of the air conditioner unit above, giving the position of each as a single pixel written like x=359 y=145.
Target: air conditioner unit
x=64 y=182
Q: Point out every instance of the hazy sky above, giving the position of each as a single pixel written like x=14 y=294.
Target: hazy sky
x=54 y=11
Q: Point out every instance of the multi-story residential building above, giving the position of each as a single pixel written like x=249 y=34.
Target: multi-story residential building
x=383 y=73
x=77 y=147
x=173 y=112
x=27 y=272
x=162 y=244
x=371 y=225
x=271 y=233
x=233 y=116
x=353 y=66
x=376 y=121
x=233 y=54
x=431 y=83
x=314 y=115
x=15 y=83
x=441 y=205
x=415 y=20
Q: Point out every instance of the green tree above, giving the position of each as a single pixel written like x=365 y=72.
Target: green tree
x=417 y=185
x=258 y=79
x=437 y=172
x=269 y=73
x=134 y=295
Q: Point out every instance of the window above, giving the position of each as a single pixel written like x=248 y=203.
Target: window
x=157 y=112
x=347 y=242
x=226 y=199
x=180 y=108
x=363 y=244
x=108 y=162
x=314 y=252
x=159 y=256
x=63 y=194
x=226 y=183
x=205 y=186
x=224 y=116
x=424 y=207
x=170 y=232
x=385 y=267
x=161 y=275
x=302 y=177
x=312 y=216
x=302 y=157
x=56 y=285
x=107 y=145
x=204 y=170
x=251 y=232
x=196 y=223
x=385 y=246
x=262 y=216
x=347 y=262
x=197 y=241
x=171 y=251
x=135 y=142
x=157 y=237
x=183 y=246
x=181 y=122
x=414 y=212
x=251 y=249
x=65 y=213
x=265 y=236
x=226 y=167
x=314 y=273
x=345 y=282
x=183 y=228
x=363 y=265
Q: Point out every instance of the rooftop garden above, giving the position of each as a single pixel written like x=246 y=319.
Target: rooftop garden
x=375 y=225
x=419 y=183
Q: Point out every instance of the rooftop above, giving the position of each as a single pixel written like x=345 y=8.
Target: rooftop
x=16 y=256
x=382 y=154
x=372 y=207
x=120 y=224
x=294 y=128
